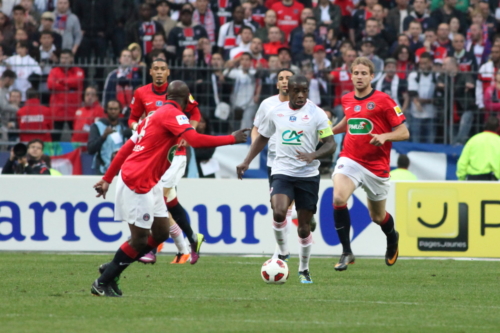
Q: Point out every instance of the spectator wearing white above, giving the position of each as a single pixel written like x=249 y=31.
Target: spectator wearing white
x=7 y=6
x=47 y=52
x=246 y=35
x=393 y=86
x=486 y=75
x=229 y=36
x=24 y=66
x=7 y=110
x=67 y=25
x=246 y=92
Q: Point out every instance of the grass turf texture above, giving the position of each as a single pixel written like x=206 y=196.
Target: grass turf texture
x=51 y=293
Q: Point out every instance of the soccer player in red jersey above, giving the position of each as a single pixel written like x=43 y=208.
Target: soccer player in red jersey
x=372 y=121
x=147 y=99
x=139 y=198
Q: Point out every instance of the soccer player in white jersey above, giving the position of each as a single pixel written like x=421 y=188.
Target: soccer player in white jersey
x=298 y=124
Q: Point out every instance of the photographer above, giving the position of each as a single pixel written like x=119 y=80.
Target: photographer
x=26 y=159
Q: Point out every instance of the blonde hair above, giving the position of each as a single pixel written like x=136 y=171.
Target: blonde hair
x=365 y=62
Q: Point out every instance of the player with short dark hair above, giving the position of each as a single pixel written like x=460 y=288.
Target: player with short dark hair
x=372 y=121
x=298 y=125
x=139 y=196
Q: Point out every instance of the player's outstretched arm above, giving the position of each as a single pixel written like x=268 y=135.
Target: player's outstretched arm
x=118 y=161
x=328 y=148
x=257 y=145
x=341 y=127
x=400 y=133
x=197 y=140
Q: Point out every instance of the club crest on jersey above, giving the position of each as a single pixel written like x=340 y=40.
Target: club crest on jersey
x=292 y=137
x=357 y=108
x=306 y=119
x=182 y=120
x=146 y=217
x=171 y=153
x=293 y=119
x=159 y=103
x=370 y=106
x=359 y=126
x=280 y=114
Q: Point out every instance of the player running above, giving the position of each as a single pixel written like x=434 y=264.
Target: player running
x=146 y=99
x=298 y=124
x=372 y=121
x=265 y=107
x=139 y=196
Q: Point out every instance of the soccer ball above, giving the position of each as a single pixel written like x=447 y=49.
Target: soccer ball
x=274 y=271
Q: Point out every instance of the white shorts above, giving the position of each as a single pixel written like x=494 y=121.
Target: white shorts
x=139 y=209
x=174 y=174
x=376 y=188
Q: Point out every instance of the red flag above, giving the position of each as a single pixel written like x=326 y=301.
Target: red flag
x=68 y=164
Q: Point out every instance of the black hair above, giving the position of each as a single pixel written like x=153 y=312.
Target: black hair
x=285 y=70
x=427 y=55
x=35 y=141
x=246 y=27
x=67 y=51
x=247 y=54
x=403 y=161
x=311 y=18
x=159 y=34
x=298 y=79
x=23 y=43
x=411 y=56
x=18 y=7
x=46 y=32
x=491 y=124
x=8 y=73
x=32 y=93
x=308 y=36
x=46 y=159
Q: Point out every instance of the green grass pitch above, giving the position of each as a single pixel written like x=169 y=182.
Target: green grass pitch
x=51 y=293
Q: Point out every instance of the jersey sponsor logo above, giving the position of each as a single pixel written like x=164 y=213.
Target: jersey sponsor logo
x=138 y=148
x=370 y=106
x=149 y=103
x=398 y=110
x=146 y=217
x=293 y=119
x=182 y=120
x=292 y=137
x=359 y=126
x=357 y=108
x=171 y=153
x=159 y=103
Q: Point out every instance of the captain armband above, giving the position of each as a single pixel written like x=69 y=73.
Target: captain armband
x=325 y=132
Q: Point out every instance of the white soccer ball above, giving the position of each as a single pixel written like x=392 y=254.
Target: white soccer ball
x=274 y=271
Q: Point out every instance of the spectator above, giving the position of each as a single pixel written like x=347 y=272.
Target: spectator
x=204 y=52
x=25 y=68
x=190 y=72
x=477 y=18
x=446 y=12
x=32 y=15
x=465 y=59
x=248 y=16
x=203 y=155
x=269 y=21
x=402 y=172
x=269 y=77
x=15 y=97
x=34 y=117
x=143 y=30
x=274 y=44
x=27 y=160
x=160 y=43
x=420 y=13
x=432 y=47
x=305 y=57
x=421 y=86
x=19 y=22
x=224 y=10
x=359 y=18
x=163 y=17
x=67 y=25
x=258 y=12
x=107 y=135
x=288 y=15
x=136 y=54
x=7 y=110
x=454 y=27
x=297 y=36
x=122 y=10
x=333 y=44
x=258 y=60
x=461 y=86
x=480 y=158
x=86 y=115
x=229 y=33
x=397 y=15
x=22 y=36
x=246 y=36
x=368 y=50
x=443 y=33
x=372 y=30
x=204 y=16
x=415 y=31
x=492 y=97
x=186 y=34
x=246 y=91
x=219 y=92
x=486 y=75
x=404 y=61
x=304 y=15
x=48 y=25
x=66 y=84
x=48 y=162
x=48 y=52
x=393 y=86
x=321 y=69
x=341 y=83
x=328 y=14
x=478 y=45
x=489 y=19
x=387 y=32
x=285 y=59
x=121 y=82
x=7 y=6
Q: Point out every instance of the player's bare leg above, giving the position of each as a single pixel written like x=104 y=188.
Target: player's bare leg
x=380 y=216
x=343 y=188
x=280 y=204
x=141 y=241
x=305 y=244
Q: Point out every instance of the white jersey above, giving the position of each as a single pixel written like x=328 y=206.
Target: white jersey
x=295 y=130
x=265 y=107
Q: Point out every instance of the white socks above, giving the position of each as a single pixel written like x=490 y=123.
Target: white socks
x=287 y=228
x=280 y=233
x=305 y=252
x=178 y=237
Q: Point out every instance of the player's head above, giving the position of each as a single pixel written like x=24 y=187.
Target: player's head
x=403 y=161
x=178 y=91
x=492 y=124
x=298 y=90
x=159 y=71
x=362 y=73
x=283 y=76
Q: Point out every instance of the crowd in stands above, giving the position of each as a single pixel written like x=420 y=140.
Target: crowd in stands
x=63 y=61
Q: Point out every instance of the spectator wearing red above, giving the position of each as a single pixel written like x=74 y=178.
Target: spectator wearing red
x=288 y=15
x=86 y=115
x=486 y=75
x=466 y=60
x=341 y=82
x=66 y=85
x=404 y=61
x=431 y=46
x=274 y=36
x=34 y=117
x=229 y=33
x=258 y=60
x=492 y=97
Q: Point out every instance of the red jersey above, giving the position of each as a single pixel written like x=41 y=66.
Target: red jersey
x=341 y=80
x=376 y=113
x=155 y=145
x=438 y=52
x=34 y=116
x=272 y=48
x=288 y=17
x=147 y=99
x=84 y=118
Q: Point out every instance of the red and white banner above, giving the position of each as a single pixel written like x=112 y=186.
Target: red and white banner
x=68 y=164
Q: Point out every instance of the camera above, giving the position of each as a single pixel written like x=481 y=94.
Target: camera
x=20 y=150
